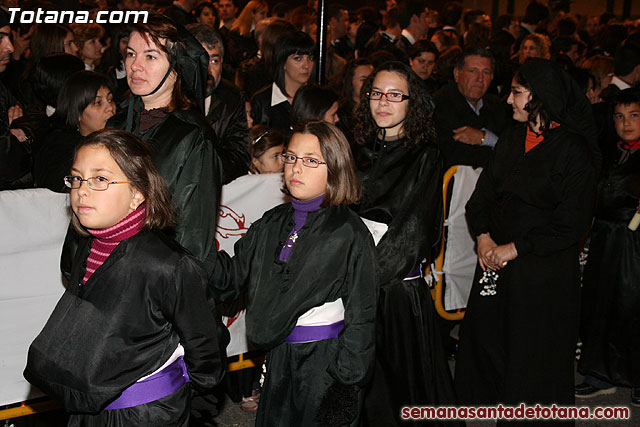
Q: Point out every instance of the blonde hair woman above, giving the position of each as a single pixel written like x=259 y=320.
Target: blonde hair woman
x=534 y=46
x=253 y=12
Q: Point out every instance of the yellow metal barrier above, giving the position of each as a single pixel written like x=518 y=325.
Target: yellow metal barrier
x=437 y=293
x=28 y=409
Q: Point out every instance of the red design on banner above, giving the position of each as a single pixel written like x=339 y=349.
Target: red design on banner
x=228 y=321
x=230 y=224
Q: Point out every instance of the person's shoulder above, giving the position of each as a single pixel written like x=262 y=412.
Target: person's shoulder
x=263 y=95
x=229 y=93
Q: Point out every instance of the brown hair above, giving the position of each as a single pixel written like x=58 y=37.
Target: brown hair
x=542 y=44
x=262 y=139
x=243 y=22
x=133 y=156
x=85 y=32
x=163 y=33
x=343 y=184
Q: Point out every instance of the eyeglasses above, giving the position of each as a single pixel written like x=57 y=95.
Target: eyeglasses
x=96 y=183
x=309 y=162
x=376 y=95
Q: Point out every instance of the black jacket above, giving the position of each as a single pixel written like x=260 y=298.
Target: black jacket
x=125 y=322
x=276 y=117
x=252 y=75
x=54 y=159
x=228 y=118
x=452 y=111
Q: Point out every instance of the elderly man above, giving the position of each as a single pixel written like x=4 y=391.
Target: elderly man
x=468 y=119
x=225 y=108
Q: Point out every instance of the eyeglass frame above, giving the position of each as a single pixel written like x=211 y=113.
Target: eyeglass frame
x=69 y=184
x=285 y=155
x=386 y=96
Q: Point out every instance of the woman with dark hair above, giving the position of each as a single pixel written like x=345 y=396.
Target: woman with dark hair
x=84 y=104
x=401 y=171
x=422 y=58
x=315 y=102
x=112 y=62
x=291 y=69
x=354 y=74
x=206 y=13
x=531 y=207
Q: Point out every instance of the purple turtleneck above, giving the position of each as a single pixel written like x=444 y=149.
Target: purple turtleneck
x=300 y=210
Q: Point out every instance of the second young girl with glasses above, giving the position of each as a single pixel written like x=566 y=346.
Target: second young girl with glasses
x=309 y=270
x=133 y=331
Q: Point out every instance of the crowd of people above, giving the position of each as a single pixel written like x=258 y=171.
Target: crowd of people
x=143 y=123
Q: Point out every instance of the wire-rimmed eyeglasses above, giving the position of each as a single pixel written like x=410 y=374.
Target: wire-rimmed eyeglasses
x=309 y=162
x=96 y=183
x=376 y=95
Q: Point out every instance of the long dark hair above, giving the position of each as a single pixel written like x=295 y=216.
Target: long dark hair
x=418 y=126
x=311 y=103
x=290 y=43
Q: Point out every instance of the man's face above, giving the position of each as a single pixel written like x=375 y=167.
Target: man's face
x=6 y=48
x=474 y=78
x=227 y=10
x=341 y=24
x=215 y=67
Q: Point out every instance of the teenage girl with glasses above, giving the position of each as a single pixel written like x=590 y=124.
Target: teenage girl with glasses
x=308 y=267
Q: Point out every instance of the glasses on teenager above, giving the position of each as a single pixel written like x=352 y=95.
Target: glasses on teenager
x=97 y=183
x=376 y=95
x=309 y=162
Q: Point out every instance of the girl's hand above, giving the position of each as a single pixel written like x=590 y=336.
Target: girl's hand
x=500 y=255
x=15 y=112
x=485 y=245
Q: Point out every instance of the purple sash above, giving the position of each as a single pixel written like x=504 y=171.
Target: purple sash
x=315 y=333
x=157 y=386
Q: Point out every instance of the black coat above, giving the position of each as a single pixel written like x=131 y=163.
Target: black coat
x=228 y=117
x=518 y=345
x=332 y=258
x=611 y=296
x=252 y=75
x=183 y=148
x=453 y=111
x=276 y=117
x=125 y=322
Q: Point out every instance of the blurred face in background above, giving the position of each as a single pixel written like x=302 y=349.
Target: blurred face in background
x=424 y=64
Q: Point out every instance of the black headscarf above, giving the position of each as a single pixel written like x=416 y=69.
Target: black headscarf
x=191 y=63
x=563 y=100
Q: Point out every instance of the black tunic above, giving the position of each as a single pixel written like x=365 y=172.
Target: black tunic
x=124 y=323
x=518 y=346
x=611 y=296
x=402 y=188
x=275 y=116
x=332 y=258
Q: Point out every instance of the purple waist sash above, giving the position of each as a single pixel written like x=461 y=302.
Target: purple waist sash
x=157 y=386
x=315 y=333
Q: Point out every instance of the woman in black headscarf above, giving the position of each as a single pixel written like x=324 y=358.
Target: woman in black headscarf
x=401 y=171
x=532 y=205
x=166 y=72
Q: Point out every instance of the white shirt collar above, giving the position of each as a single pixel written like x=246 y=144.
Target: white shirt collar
x=478 y=106
x=408 y=35
x=620 y=83
x=392 y=37
x=49 y=110
x=277 y=96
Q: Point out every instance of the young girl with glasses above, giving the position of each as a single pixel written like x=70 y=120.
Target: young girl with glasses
x=133 y=331
x=309 y=270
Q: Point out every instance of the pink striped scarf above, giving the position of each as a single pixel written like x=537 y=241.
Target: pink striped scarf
x=105 y=241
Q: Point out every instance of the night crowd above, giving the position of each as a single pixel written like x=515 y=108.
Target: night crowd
x=143 y=123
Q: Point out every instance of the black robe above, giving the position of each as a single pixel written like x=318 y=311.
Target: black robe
x=402 y=188
x=332 y=258
x=124 y=323
x=183 y=148
x=518 y=345
x=611 y=295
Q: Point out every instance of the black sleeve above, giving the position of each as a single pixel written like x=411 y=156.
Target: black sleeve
x=199 y=327
x=235 y=143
